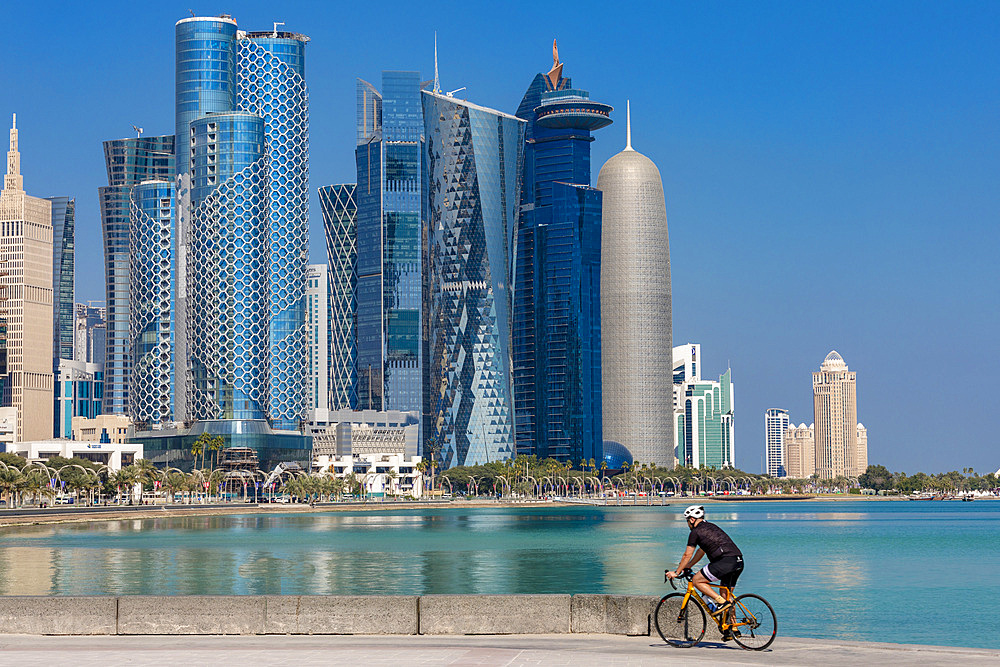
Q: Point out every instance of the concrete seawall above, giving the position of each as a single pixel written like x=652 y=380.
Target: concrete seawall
x=330 y=615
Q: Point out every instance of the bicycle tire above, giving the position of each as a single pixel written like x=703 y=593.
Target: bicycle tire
x=682 y=629
x=761 y=630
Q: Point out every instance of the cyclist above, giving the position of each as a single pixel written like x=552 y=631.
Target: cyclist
x=725 y=561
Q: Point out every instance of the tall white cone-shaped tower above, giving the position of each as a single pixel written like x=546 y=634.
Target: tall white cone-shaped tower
x=636 y=326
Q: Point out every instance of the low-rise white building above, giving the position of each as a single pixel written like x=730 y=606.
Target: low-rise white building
x=381 y=474
x=115 y=455
x=380 y=448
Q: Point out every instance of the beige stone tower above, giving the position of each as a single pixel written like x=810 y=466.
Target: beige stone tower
x=26 y=287
x=835 y=411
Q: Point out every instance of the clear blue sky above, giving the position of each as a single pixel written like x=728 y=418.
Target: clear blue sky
x=831 y=169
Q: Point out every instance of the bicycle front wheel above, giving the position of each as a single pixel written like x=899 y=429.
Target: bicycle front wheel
x=754 y=622
x=682 y=628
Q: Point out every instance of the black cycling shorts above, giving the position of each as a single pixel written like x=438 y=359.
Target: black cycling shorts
x=724 y=571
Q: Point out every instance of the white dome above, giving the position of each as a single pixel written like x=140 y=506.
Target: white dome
x=833 y=362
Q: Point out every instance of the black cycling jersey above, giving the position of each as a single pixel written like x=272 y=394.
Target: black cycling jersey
x=713 y=541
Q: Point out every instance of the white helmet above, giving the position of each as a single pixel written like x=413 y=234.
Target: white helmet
x=695 y=512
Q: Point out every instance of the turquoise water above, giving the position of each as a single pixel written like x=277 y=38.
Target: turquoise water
x=862 y=570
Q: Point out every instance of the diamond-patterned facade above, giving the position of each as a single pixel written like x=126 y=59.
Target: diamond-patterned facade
x=340 y=227
x=474 y=162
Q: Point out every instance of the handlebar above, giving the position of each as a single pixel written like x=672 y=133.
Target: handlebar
x=686 y=574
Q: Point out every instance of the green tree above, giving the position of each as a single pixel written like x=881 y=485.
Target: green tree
x=876 y=477
x=214 y=445
x=198 y=448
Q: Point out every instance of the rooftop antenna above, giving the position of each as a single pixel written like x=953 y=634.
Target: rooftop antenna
x=437 y=81
x=14 y=123
x=628 y=126
x=457 y=90
x=138 y=131
x=192 y=13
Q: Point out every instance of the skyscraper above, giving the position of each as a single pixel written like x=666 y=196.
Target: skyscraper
x=340 y=227
x=704 y=431
x=557 y=306
x=205 y=82
x=242 y=218
x=390 y=215
x=228 y=260
x=636 y=336
x=318 y=339
x=271 y=82
x=800 y=451
x=26 y=287
x=63 y=265
x=474 y=164
x=775 y=426
x=90 y=334
x=835 y=412
x=129 y=162
x=152 y=295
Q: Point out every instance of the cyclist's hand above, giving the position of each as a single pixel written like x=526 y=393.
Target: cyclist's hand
x=670 y=574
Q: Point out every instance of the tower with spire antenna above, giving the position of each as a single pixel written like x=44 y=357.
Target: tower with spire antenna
x=26 y=286
x=557 y=312
x=636 y=334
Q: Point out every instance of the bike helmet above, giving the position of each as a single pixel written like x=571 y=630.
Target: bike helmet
x=695 y=512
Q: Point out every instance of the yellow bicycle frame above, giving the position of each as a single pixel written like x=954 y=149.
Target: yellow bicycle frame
x=727 y=593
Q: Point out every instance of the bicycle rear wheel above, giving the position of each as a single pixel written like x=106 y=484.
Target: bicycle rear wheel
x=754 y=621
x=680 y=628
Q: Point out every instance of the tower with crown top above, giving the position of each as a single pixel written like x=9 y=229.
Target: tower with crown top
x=26 y=309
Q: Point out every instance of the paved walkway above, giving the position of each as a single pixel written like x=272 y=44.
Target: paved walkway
x=372 y=651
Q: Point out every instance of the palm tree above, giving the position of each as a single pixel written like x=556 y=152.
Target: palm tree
x=11 y=480
x=198 y=448
x=214 y=445
x=392 y=475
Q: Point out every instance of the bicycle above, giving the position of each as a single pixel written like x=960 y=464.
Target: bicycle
x=750 y=621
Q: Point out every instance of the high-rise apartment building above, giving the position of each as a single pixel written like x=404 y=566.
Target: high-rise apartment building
x=317 y=336
x=63 y=265
x=89 y=333
x=228 y=292
x=636 y=335
x=26 y=287
x=79 y=389
x=775 y=427
x=704 y=430
x=557 y=297
x=835 y=413
x=152 y=294
x=340 y=228
x=474 y=163
x=800 y=451
x=129 y=162
x=271 y=82
x=390 y=203
x=242 y=221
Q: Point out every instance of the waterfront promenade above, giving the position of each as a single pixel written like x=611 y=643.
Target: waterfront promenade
x=373 y=651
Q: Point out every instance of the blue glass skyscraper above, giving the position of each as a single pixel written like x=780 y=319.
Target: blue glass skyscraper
x=270 y=82
x=63 y=265
x=474 y=163
x=390 y=214
x=228 y=292
x=231 y=76
x=557 y=309
x=152 y=280
x=205 y=82
x=129 y=162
